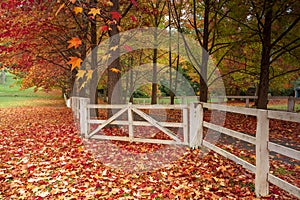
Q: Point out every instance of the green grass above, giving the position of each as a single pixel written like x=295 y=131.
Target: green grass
x=283 y=107
x=12 y=96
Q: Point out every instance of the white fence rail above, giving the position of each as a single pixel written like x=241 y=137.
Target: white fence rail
x=261 y=141
x=291 y=101
x=193 y=126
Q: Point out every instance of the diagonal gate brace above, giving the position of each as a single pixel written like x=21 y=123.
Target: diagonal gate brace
x=112 y=118
x=156 y=124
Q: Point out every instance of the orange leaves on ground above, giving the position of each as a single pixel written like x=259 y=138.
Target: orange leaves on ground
x=43 y=157
x=94 y=11
x=115 y=15
x=74 y=42
x=74 y=62
x=77 y=10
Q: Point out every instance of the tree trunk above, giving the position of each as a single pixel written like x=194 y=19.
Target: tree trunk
x=154 y=73
x=131 y=81
x=203 y=78
x=113 y=84
x=3 y=76
x=171 y=92
x=205 y=55
x=263 y=87
x=94 y=81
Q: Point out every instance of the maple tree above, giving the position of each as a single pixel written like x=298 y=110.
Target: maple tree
x=206 y=23
x=35 y=48
x=42 y=155
x=83 y=25
x=273 y=26
x=158 y=9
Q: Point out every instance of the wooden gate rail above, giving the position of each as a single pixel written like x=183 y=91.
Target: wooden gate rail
x=130 y=109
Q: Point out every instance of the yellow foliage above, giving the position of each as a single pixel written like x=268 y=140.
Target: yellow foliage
x=77 y=10
x=94 y=11
x=80 y=74
x=89 y=74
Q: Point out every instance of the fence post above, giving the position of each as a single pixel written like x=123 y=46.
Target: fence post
x=185 y=121
x=196 y=125
x=130 y=122
x=73 y=103
x=247 y=102
x=262 y=154
x=83 y=110
x=291 y=104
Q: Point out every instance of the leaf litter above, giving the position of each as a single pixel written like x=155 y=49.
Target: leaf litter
x=43 y=157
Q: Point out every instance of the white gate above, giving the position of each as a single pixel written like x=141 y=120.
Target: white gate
x=83 y=114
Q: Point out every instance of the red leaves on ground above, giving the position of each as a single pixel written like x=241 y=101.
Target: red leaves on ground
x=41 y=156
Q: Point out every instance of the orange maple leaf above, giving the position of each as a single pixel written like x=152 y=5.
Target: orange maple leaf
x=74 y=42
x=78 y=9
x=74 y=62
x=115 y=70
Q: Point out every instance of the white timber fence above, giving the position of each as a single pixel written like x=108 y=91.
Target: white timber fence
x=193 y=125
x=291 y=101
x=261 y=141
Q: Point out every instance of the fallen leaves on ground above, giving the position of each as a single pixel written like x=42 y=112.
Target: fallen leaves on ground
x=43 y=157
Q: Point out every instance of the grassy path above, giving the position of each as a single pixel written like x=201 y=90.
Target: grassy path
x=12 y=96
